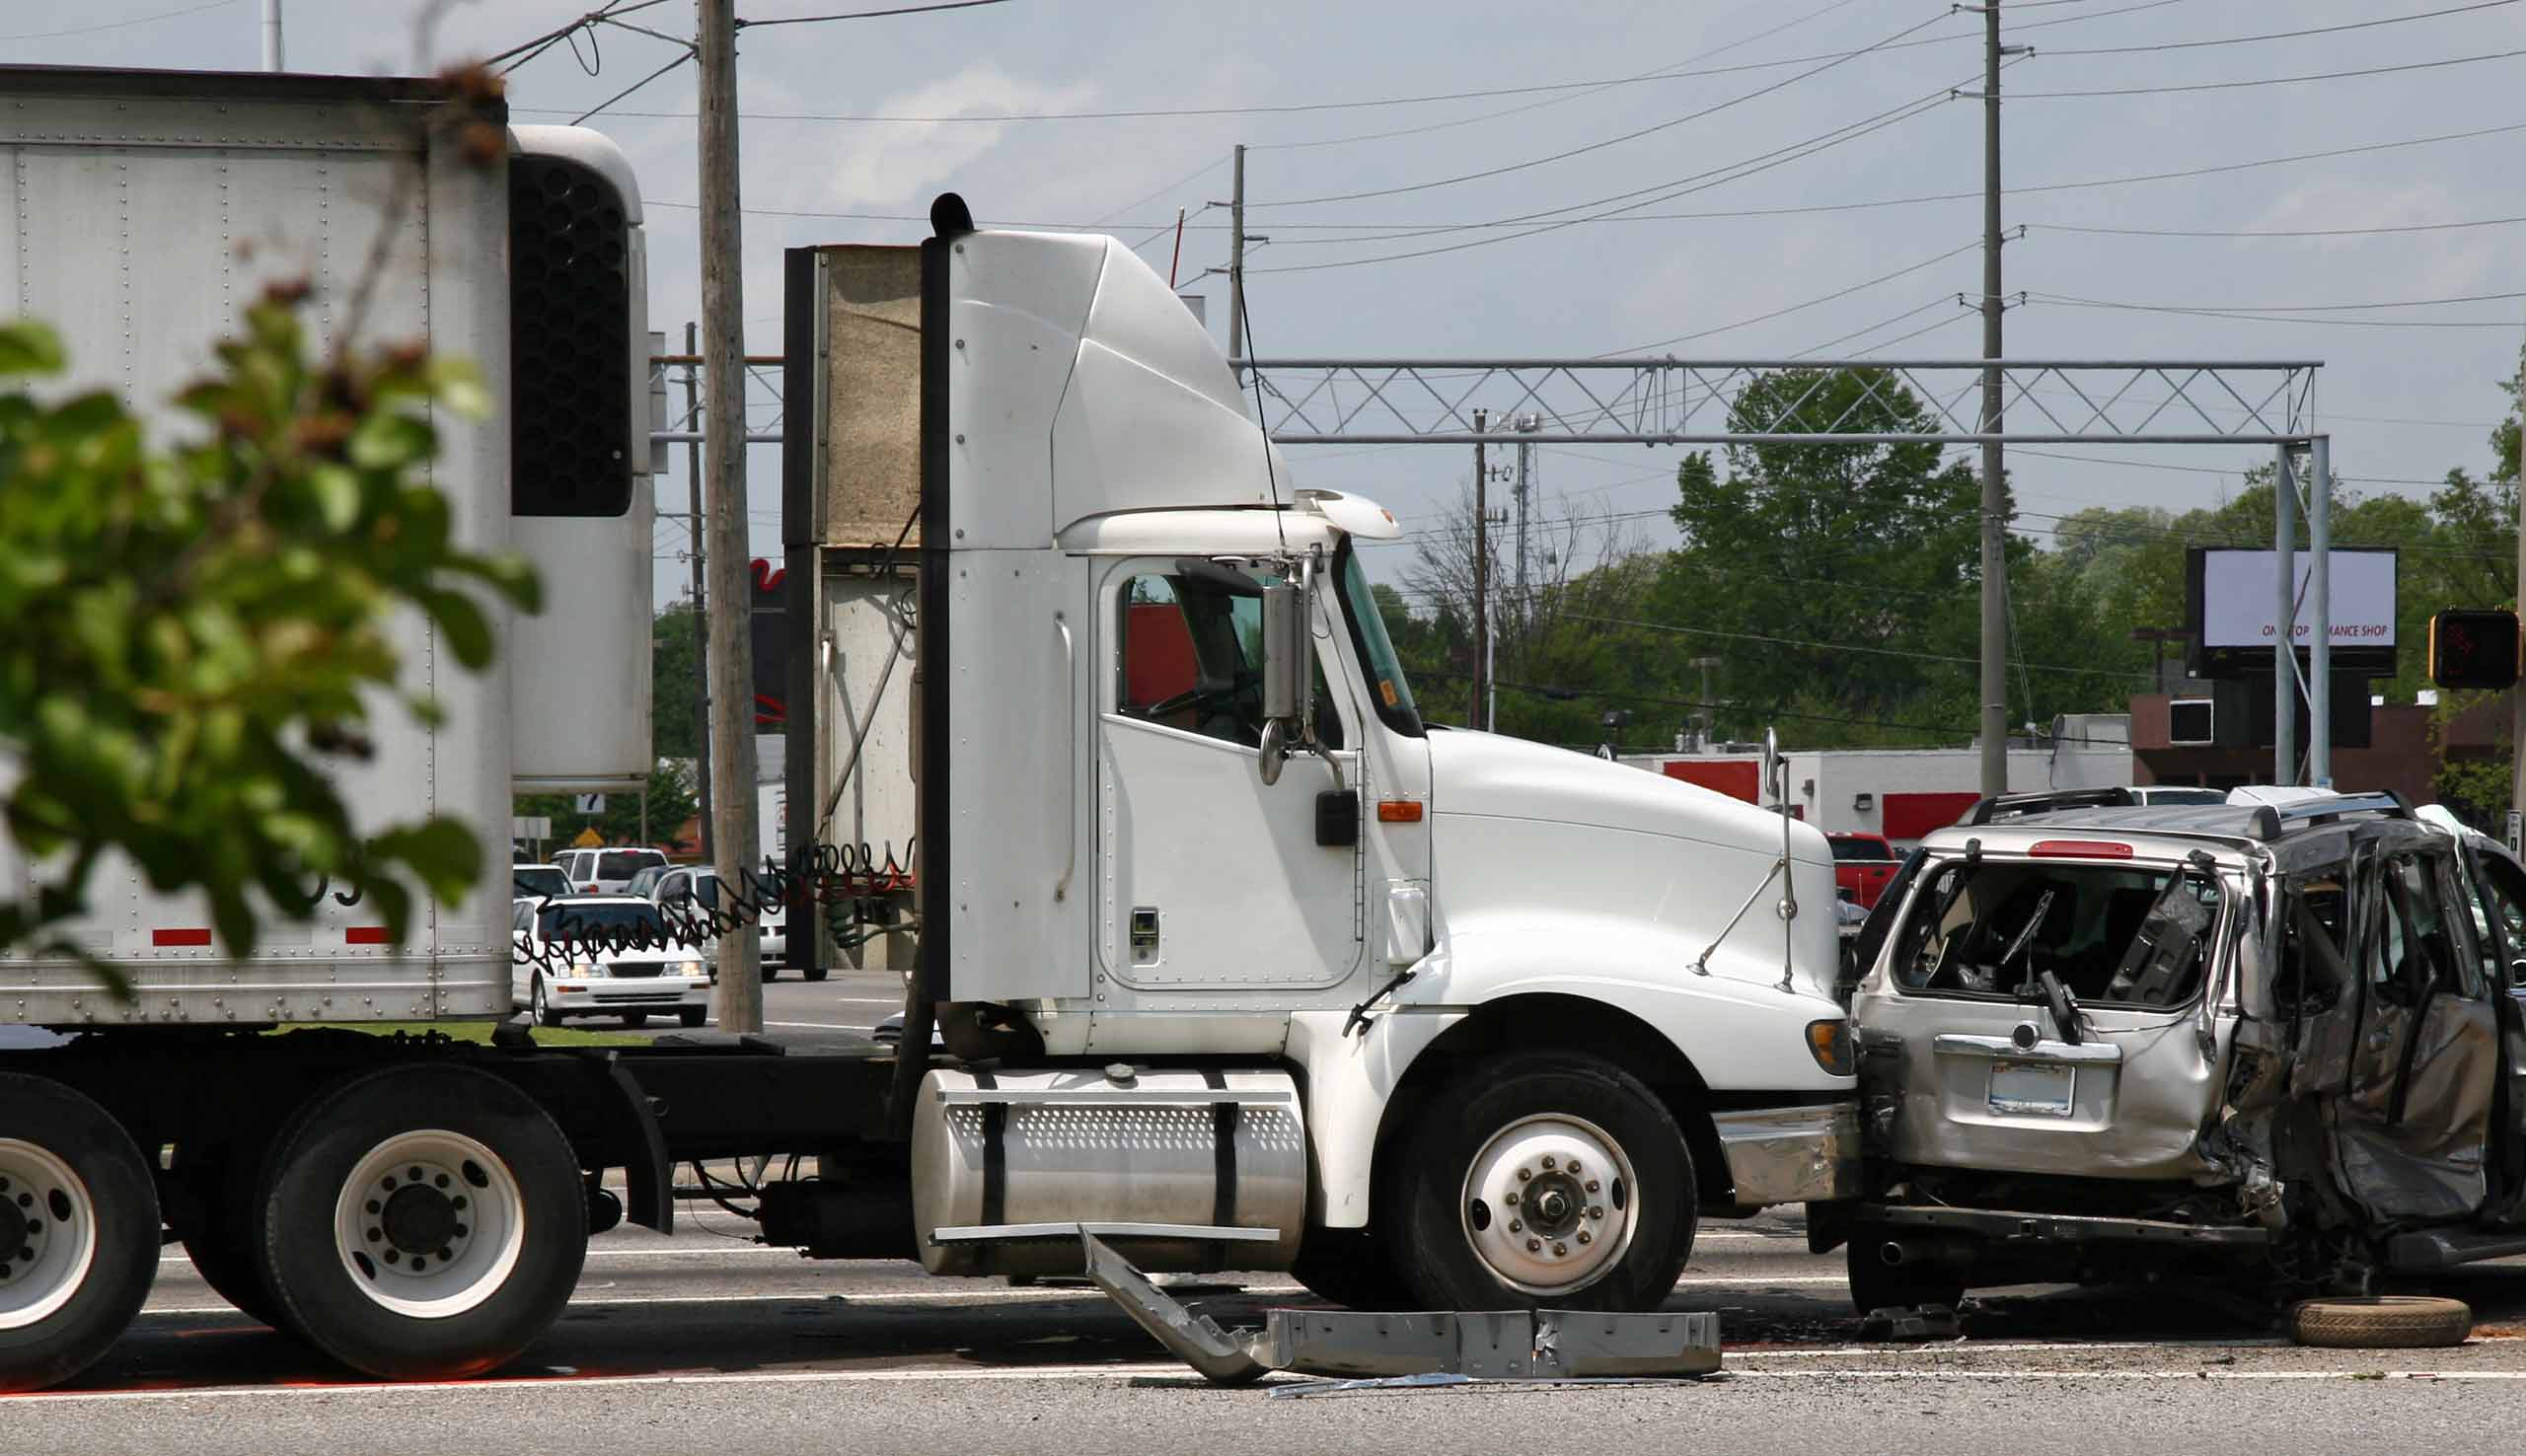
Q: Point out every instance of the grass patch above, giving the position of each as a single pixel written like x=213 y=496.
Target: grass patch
x=477 y=1032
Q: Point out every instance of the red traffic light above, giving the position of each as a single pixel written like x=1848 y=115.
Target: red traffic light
x=2473 y=647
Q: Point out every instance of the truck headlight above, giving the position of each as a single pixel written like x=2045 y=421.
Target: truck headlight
x=586 y=968
x=688 y=967
x=1830 y=1043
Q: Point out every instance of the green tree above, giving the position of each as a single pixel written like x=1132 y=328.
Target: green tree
x=193 y=631
x=672 y=801
x=675 y=691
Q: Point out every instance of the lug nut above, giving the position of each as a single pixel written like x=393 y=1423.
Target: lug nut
x=1533 y=1245
x=1574 y=1165
x=1510 y=1199
x=1516 y=1227
x=1525 y=1174
x=1561 y=1248
x=1591 y=1185
x=1586 y=1237
x=1597 y=1211
x=1547 y=1160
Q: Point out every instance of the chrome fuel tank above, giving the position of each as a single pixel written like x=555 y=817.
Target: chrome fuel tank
x=1176 y=1153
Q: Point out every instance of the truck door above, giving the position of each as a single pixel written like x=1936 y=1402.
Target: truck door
x=1206 y=875
x=2499 y=934
x=2418 y=1069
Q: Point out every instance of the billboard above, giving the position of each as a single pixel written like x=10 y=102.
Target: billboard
x=2233 y=594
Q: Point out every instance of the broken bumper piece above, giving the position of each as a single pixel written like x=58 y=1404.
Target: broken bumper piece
x=1505 y=1345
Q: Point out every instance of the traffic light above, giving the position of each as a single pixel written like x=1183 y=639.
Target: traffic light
x=2474 y=648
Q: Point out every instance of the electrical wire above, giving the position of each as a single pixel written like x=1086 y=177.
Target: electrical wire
x=121 y=24
x=1908 y=269
x=2431 y=65
x=1595 y=146
x=2280 y=316
x=810 y=19
x=2390 y=20
x=2479 y=222
x=636 y=85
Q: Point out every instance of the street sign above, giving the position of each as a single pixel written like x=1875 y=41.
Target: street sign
x=589 y=803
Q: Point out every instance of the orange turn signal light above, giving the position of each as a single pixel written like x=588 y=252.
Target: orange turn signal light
x=1830 y=1043
x=1398 y=811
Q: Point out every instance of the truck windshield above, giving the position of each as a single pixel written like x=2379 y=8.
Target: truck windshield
x=1391 y=695
x=2114 y=936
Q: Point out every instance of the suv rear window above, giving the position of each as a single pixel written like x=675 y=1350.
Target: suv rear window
x=622 y=864
x=1861 y=848
x=2115 y=935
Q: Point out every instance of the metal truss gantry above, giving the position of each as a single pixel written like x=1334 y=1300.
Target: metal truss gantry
x=1693 y=401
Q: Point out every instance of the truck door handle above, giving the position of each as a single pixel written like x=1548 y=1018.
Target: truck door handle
x=1070 y=764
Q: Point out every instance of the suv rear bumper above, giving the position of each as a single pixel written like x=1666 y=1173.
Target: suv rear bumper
x=1791 y=1154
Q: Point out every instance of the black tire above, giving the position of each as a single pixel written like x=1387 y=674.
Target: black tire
x=1877 y=1284
x=215 y=1219
x=636 y=1019
x=693 y=1015
x=1432 y=1223
x=540 y=1005
x=812 y=973
x=1348 y=1266
x=2381 y=1322
x=501 y=1194
x=110 y=1199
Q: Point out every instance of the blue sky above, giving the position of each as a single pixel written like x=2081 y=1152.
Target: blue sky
x=2404 y=403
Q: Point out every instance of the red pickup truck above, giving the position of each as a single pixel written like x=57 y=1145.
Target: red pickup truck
x=1863 y=864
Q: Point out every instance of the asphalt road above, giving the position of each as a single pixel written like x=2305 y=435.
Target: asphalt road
x=708 y=1338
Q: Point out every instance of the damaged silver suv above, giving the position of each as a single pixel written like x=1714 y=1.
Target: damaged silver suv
x=2261 y=1042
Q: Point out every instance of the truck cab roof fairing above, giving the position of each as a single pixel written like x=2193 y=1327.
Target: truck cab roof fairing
x=1104 y=393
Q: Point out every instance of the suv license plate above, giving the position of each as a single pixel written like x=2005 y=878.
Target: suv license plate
x=2032 y=1090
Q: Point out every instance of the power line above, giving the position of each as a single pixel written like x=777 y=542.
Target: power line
x=137 y=19
x=810 y=19
x=2278 y=317
x=2480 y=222
x=1807 y=304
x=2392 y=20
x=2434 y=65
x=634 y=85
x=1565 y=155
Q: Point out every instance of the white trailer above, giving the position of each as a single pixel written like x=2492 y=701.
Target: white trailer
x=1239 y=963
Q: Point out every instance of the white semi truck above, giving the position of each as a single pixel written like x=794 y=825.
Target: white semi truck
x=1239 y=962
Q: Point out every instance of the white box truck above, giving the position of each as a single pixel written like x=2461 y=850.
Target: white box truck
x=1239 y=962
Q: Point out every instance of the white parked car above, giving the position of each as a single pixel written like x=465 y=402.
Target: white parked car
x=540 y=881
x=604 y=955
x=698 y=886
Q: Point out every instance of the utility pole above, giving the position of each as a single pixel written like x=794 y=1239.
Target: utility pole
x=1527 y=424
x=1995 y=560
x=701 y=611
x=1237 y=264
x=2284 y=618
x=271 y=36
x=2319 y=632
x=723 y=427
x=1481 y=566
x=2517 y=694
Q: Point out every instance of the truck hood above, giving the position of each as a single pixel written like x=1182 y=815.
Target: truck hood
x=1524 y=834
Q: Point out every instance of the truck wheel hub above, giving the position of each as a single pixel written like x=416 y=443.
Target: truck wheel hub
x=47 y=1233
x=1536 y=1210
x=431 y=1223
x=15 y=1231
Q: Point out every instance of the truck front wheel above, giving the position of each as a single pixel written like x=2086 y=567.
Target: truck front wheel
x=1545 y=1181
x=78 y=1232
x=426 y=1222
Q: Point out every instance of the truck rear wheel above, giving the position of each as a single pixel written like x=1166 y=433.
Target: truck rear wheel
x=78 y=1232
x=426 y=1222
x=214 y=1215
x=1545 y=1181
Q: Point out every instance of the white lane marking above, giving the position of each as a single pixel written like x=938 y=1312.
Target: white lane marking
x=892 y=1296
x=1739 y=1280
x=1122 y=1372
x=2015 y=1348
x=817 y=1026
x=551 y=1382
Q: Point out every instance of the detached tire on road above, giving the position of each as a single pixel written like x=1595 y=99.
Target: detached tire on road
x=424 y=1222
x=1490 y=1213
x=2381 y=1322
x=78 y=1232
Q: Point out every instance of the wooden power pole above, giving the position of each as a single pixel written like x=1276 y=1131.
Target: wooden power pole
x=1481 y=580
x=701 y=612
x=723 y=430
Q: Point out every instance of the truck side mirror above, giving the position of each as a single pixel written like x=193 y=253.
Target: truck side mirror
x=1285 y=663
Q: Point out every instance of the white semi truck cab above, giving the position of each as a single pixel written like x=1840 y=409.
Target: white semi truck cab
x=1515 y=1018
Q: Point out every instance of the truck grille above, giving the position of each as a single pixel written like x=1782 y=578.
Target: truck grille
x=633 y=970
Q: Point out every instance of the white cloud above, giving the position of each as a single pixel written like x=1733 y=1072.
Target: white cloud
x=903 y=162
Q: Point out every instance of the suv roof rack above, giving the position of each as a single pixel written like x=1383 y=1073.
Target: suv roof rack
x=1996 y=806
x=2309 y=811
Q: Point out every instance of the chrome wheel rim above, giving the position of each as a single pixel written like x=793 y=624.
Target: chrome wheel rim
x=1550 y=1204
